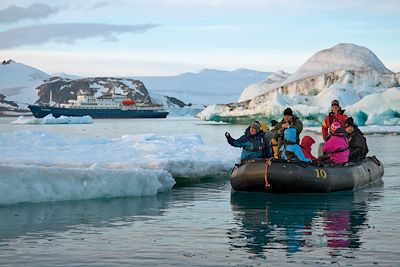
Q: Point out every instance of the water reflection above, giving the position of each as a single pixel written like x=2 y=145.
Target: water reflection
x=49 y=218
x=298 y=222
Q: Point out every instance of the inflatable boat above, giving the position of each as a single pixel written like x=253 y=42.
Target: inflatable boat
x=281 y=176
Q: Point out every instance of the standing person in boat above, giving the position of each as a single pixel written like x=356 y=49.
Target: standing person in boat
x=306 y=144
x=290 y=150
x=357 y=142
x=337 y=147
x=288 y=121
x=269 y=137
x=274 y=142
x=336 y=115
x=253 y=142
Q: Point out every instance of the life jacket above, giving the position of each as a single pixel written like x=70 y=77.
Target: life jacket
x=257 y=147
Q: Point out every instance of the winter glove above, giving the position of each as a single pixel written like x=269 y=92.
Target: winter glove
x=227 y=135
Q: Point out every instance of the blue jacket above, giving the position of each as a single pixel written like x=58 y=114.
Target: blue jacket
x=256 y=146
x=289 y=145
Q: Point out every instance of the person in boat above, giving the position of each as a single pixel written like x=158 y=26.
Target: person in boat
x=268 y=133
x=336 y=115
x=306 y=144
x=274 y=142
x=336 y=148
x=290 y=150
x=253 y=142
x=357 y=142
x=288 y=121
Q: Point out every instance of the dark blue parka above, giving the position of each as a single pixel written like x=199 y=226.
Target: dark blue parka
x=256 y=146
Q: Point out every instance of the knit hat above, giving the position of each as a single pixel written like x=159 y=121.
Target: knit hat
x=336 y=125
x=335 y=103
x=273 y=123
x=350 y=122
x=256 y=125
x=288 y=111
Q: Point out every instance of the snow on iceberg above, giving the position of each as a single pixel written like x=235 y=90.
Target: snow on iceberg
x=264 y=86
x=339 y=57
x=378 y=109
x=39 y=166
x=49 y=119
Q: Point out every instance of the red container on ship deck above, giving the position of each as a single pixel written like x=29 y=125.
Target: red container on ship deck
x=128 y=102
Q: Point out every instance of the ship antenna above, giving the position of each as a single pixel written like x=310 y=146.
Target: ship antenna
x=144 y=101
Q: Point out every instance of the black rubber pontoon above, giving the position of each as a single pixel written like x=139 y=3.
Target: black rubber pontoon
x=299 y=177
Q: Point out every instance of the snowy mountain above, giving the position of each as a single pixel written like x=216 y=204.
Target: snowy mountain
x=17 y=86
x=208 y=86
x=346 y=72
x=21 y=85
x=65 y=89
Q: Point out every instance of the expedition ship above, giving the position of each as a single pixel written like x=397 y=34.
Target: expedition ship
x=106 y=106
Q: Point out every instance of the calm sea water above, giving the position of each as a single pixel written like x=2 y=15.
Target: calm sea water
x=204 y=223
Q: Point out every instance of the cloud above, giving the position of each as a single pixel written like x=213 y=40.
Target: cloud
x=66 y=33
x=13 y=13
x=100 y=4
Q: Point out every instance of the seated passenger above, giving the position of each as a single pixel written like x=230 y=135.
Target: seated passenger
x=253 y=142
x=290 y=150
x=289 y=121
x=357 y=142
x=337 y=146
x=306 y=144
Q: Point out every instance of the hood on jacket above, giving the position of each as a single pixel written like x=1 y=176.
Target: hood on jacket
x=247 y=132
x=339 y=132
x=307 y=141
x=290 y=135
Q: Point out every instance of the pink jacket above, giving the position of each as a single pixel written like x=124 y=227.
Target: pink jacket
x=335 y=143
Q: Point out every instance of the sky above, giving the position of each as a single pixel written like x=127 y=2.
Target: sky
x=169 y=37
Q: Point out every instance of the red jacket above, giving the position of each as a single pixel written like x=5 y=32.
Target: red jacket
x=306 y=144
x=331 y=118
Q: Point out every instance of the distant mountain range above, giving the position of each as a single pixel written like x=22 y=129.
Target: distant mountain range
x=21 y=85
x=209 y=86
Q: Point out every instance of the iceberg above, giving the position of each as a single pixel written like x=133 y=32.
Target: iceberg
x=38 y=166
x=375 y=109
x=378 y=109
x=50 y=119
x=352 y=74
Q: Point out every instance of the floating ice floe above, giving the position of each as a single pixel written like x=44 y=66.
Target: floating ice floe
x=39 y=166
x=49 y=119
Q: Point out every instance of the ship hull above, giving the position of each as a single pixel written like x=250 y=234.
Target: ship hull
x=42 y=111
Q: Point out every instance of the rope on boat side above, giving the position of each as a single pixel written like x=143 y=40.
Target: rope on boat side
x=267 y=164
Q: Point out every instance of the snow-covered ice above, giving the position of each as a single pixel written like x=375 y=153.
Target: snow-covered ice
x=375 y=109
x=50 y=119
x=352 y=74
x=39 y=166
x=367 y=130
